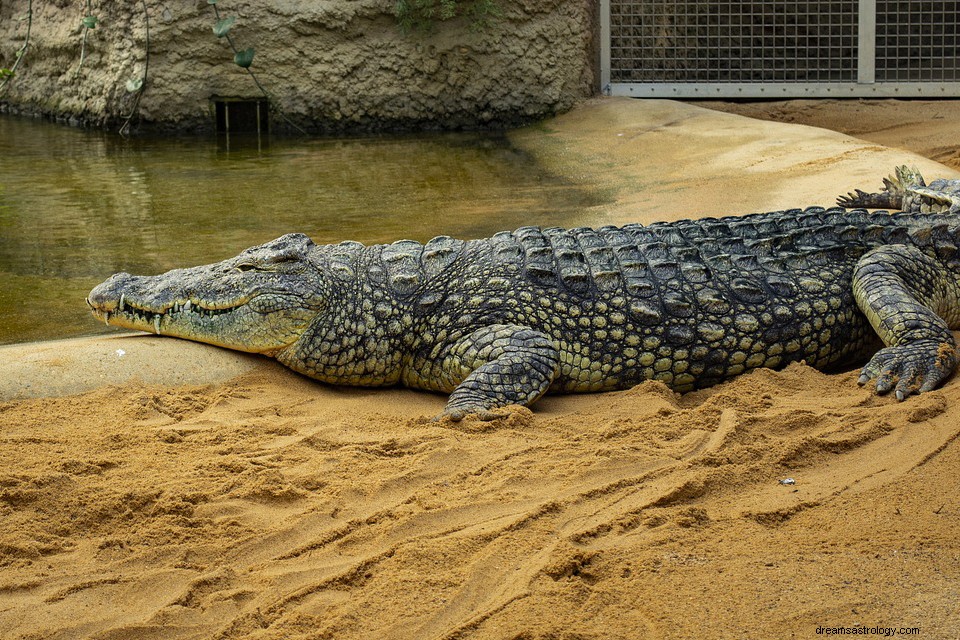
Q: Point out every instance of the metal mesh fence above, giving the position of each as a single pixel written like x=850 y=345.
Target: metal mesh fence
x=814 y=43
x=917 y=41
x=671 y=41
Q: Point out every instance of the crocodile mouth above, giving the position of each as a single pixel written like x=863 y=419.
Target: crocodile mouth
x=183 y=313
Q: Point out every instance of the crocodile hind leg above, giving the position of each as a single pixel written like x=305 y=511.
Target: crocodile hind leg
x=911 y=300
x=508 y=364
x=892 y=197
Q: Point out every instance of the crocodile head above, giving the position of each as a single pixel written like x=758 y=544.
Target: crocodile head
x=260 y=301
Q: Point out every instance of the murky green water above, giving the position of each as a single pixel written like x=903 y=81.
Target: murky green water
x=77 y=206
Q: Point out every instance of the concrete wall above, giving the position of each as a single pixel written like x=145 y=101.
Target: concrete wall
x=334 y=65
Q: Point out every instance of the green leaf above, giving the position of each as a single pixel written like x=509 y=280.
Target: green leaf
x=222 y=27
x=134 y=84
x=90 y=22
x=244 y=58
x=6 y=73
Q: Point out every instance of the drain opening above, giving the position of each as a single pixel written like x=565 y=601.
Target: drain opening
x=241 y=115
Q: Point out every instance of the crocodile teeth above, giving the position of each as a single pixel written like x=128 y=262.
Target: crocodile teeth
x=106 y=318
x=187 y=305
x=120 y=304
x=156 y=323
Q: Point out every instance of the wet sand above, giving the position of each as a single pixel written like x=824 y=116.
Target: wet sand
x=163 y=502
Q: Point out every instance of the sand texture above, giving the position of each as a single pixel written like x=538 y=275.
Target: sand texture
x=265 y=505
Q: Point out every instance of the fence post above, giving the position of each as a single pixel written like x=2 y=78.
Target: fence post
x=867 y=42
x=605 y=35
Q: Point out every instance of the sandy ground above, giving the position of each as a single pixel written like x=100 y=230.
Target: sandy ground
x=928 y=127
x=154 y=503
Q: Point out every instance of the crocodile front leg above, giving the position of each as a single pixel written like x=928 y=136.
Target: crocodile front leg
x=507 y=364
x=911 y=300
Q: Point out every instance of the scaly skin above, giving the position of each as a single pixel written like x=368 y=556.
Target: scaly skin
x=503 y=320
x=906 y=191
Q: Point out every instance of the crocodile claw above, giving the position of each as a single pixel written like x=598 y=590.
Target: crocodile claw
x=457 y=415
x=915 y=367
x=853 y=200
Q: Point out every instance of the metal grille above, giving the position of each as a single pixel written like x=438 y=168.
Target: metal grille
x=667 y=41
x=719 y=48
x=917 y=41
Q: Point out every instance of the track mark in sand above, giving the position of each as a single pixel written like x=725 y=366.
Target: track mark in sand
x=203 y=587
x=337 y=534
x=392 y=447
x=496 y=463
x=656 y=488
x=17 y=587
x=703 y=444
x=850 y=452
x=719 y=437
x=81 y=586
x=505 y=578
x=933 y=454
x=409 y=534
x=265 y=616
x=473 y=623
x=780 y=516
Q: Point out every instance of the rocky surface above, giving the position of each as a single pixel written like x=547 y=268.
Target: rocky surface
x=339 y=65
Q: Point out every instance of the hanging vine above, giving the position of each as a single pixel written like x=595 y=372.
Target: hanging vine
x=138 y=85
x=7 y=74
x=89 y=22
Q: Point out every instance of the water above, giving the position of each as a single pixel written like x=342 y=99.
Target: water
x=77 y=206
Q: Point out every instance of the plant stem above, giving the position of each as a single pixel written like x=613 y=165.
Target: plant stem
x=83 y=43
x=22 y=51
x=83 y=51
x=124 y=129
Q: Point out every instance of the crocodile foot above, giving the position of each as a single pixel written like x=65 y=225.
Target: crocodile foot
x=894 y=189
x=859 y=199
x=914 y=367
x=459 y=413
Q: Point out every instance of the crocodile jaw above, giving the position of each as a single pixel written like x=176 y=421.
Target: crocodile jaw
x=254 y=324
x=261 y=301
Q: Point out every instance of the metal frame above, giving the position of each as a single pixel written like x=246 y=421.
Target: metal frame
x=865 y=84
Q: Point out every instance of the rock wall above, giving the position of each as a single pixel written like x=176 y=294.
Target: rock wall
x=335 y=65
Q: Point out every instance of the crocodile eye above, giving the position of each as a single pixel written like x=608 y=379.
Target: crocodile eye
x=246 y=266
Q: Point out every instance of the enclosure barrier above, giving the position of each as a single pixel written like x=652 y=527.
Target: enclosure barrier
x=787 y=49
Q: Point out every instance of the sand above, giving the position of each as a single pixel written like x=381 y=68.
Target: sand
x=928 y=127
x=153 y=503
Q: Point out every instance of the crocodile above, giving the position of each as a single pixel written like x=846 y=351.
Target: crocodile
x=501 y=321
